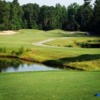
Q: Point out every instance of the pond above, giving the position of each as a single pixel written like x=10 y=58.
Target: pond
x=16 y=65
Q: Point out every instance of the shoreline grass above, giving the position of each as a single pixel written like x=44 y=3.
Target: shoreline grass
x=75 y=42
x=75 y=61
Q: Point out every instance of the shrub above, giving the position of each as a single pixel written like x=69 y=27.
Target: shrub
x=3 y=49
x=83 y=44
x=20 y=51
x=69 y=45
x=93 y=41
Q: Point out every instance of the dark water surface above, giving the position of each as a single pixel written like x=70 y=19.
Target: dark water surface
x=15 y=65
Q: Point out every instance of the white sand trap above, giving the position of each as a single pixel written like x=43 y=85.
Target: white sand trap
x=7 y=32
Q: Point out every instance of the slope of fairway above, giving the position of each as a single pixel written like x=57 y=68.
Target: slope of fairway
x=53 y=85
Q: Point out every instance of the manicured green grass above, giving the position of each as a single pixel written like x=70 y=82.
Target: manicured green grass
x=27 y=37
x=52 y=85
x=79 y=58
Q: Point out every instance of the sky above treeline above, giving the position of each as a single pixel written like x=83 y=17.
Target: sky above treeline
x=51 y=2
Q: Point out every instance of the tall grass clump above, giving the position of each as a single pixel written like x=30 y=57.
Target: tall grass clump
x=93 y=41
x=88 y=44
x=83 y=44
x=17 y=52
x=69 y=45
x=3 y=50
x=20 y=51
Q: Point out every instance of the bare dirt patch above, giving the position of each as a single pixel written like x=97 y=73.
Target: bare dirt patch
x=7 y=32
x=41 y=43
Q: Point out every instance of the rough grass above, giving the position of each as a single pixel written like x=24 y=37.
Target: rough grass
x=53 y=85
x=73 y=41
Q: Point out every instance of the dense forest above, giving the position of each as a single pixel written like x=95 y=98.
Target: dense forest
x=75 y=17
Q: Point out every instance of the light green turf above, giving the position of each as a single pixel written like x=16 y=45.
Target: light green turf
x=81 y=58
x=57 y=85
x=51 y=85
x=27 y=37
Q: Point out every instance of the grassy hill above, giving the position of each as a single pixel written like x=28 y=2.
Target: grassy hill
x=20 y=44
x=51 y=85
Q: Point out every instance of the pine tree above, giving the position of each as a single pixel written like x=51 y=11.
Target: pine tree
x=97 y=17
x=16 y=15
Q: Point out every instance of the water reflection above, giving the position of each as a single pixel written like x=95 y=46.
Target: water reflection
x=16 y=65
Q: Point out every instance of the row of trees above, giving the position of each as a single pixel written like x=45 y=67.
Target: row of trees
x=74 y=17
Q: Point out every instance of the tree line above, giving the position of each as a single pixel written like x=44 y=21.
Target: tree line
x=75 y=17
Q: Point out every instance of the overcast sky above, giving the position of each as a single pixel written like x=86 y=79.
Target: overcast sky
x=51 y=2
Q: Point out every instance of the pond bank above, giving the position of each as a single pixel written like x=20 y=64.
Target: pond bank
x=52 y=63
x=17 y=65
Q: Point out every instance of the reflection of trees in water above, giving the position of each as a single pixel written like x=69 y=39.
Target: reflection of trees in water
x=5 y=63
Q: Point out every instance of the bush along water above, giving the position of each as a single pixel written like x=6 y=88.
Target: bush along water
x=3 y=50
x=88 y=45
x=13 y=52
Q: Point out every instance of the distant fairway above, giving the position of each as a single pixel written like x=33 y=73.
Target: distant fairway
x=77 y=58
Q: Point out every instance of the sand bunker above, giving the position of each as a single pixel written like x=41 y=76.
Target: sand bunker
x=7 y=32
